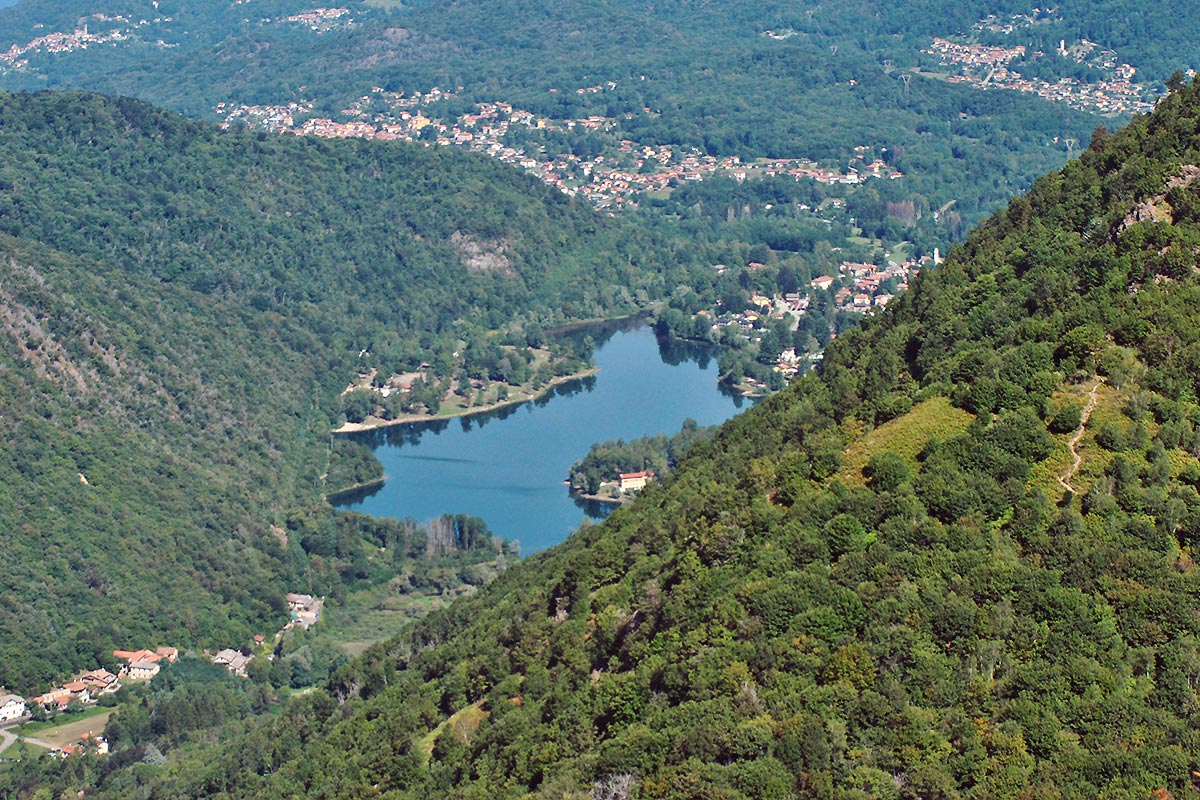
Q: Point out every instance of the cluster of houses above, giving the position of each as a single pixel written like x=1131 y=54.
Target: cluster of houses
x=986 y=67
x=320 y=20
x=305 y=610
x=860 y=285
x=14 y=708
x=607 y=181
x=88 y=741
x=87 y=687
x=857 y=288
x=66 y=41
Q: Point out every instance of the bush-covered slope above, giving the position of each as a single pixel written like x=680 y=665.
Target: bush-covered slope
x=177 y=318
x=950 y=621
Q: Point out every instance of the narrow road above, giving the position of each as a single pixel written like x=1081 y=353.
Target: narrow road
x=1065 y=478
x=39 y=743
x=8 y=739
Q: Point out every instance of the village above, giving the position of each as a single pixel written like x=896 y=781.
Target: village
x=857 y=288
x=121 y=29
x=98 y=687
x=607 y=181
x=80 y=38
x=988 y=67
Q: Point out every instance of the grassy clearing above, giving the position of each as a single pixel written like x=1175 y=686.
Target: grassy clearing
x=905 y=436
x=37 y=728
x=463 y=723
x=360 y=627
x=900 y=253
x=379 y=613
x=92 y=721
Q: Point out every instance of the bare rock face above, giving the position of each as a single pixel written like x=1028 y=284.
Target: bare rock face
x=1156 y=208
x=481 y=255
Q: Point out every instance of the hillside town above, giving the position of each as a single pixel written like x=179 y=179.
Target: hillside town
x=855 y=289
x=80 y=38
x=990 y=66
x=510 y=134
x=321 y=20
x=117 y=29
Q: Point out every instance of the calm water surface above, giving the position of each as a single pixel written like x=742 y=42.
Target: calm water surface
x=508 y=467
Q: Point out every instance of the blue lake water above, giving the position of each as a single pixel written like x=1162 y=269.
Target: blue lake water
x=508 y=466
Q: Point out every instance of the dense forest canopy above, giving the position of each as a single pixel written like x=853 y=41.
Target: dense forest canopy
x=955 y=562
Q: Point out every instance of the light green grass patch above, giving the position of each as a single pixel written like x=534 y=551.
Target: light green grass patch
x=1094 y=458
x=463 y=723
x=905 y=436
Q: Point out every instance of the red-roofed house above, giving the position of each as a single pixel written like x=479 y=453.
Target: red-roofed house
x=100 y=681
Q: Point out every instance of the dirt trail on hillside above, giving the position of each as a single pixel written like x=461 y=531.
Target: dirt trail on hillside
x=1065 y=478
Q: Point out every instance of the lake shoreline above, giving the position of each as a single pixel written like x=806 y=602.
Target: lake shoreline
x=508 y=467
x=407 y=419
x=355 y=488
x=596 y=322
x=623 y=500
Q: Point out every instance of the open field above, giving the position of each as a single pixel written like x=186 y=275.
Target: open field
x=68 y=732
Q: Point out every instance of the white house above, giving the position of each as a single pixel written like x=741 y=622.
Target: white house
x=11 y=707
x=634 y=481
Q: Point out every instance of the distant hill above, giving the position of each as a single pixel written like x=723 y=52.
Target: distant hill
x=957 y=562
x=758 y=80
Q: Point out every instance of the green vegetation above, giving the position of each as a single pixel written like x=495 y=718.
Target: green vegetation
x=758 y=627
x=905 y=436
x=351 y=466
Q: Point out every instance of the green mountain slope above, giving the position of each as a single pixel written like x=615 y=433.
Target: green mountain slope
x=958 y=562
x=177 y=319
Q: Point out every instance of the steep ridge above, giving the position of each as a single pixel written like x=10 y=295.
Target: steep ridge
x=947 y=623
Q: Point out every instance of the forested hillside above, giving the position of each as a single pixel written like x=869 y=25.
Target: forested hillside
x=179 y=309
x=957 y=562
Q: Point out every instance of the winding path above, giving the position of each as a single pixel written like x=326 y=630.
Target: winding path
x=1065 y=478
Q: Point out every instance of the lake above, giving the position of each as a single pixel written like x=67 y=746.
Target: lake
x=509 y=466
